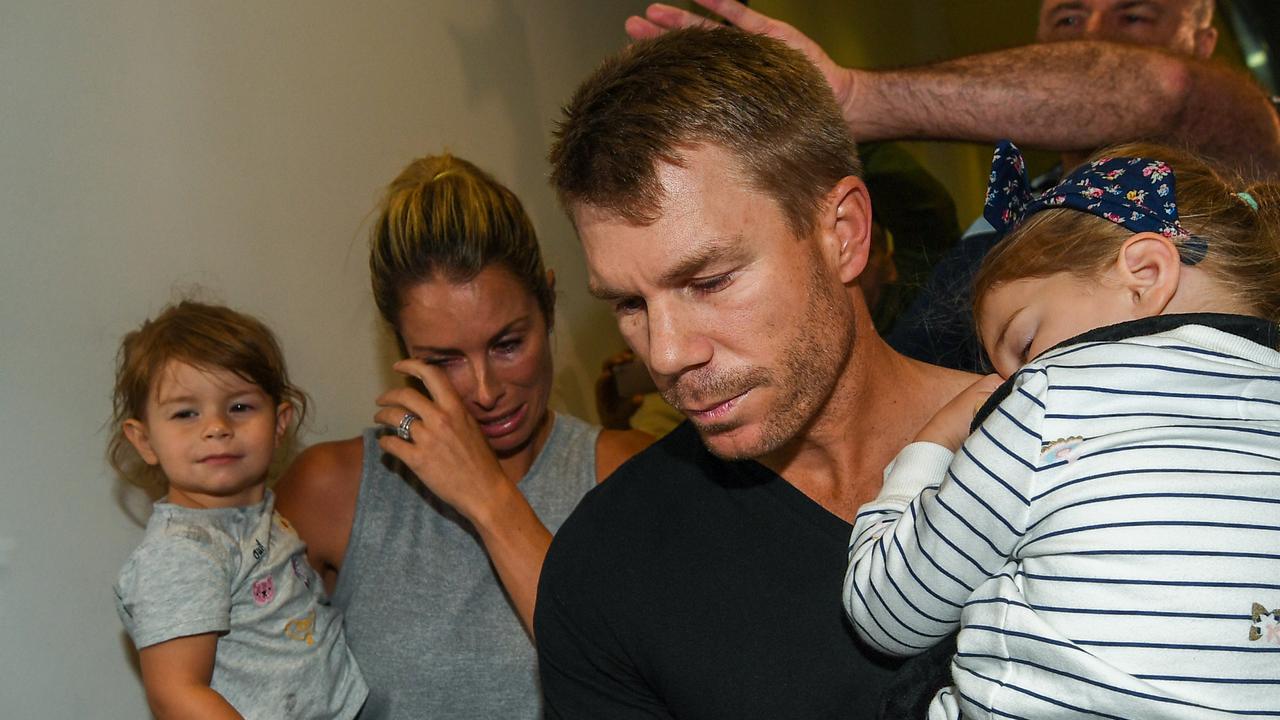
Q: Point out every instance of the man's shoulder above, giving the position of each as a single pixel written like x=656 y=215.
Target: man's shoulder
x=680 y=451
x=658 y=476
x=666 y=497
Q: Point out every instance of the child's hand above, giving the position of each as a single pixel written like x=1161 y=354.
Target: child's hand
x=950 y=426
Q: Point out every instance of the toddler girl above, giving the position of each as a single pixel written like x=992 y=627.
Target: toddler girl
x=1106 y=539
x=228 y=618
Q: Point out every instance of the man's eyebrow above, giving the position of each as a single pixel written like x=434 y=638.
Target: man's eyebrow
x=603 y=292
x=715 y=250
x=1074 y=5
x=726 y=249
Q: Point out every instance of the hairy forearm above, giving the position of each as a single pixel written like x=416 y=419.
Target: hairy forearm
x=517 y=543
x=1072 y=97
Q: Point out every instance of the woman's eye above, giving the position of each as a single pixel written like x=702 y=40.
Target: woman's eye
x=508 y=346
x=439 y=361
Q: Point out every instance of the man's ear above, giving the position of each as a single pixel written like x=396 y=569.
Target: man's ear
x=136 y=433
x=284 y=416
x=1149 y=269
x=1206 y=39
x=846 y=231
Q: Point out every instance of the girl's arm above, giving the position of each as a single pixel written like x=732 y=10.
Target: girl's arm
x=176 y=675
x=914 y=559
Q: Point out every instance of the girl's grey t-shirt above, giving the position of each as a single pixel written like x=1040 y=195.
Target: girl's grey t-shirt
x=428 y=621
x=242 y=572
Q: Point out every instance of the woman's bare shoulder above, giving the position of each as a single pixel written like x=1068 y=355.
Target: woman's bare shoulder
x=615 y=447
x=323 y=468
x=318 y=494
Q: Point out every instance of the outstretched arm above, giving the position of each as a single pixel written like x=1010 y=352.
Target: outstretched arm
x=1071 y=97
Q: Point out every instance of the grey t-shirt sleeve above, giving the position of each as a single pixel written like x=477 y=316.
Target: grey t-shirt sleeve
x=173 y=587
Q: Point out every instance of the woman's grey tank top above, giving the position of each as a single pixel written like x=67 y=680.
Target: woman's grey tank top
x=426 y=618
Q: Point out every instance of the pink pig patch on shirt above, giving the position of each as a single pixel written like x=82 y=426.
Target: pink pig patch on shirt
x=264 y=590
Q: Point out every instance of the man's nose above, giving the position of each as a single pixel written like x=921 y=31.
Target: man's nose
x=677 y=342
x=1094 y=28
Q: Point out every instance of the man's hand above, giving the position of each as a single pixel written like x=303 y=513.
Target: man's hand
x=1071 y=97
x=950 y=426
x=659 y=18
x=614 y=409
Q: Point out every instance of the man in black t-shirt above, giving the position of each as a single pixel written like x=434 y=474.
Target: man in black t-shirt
x=716 y=191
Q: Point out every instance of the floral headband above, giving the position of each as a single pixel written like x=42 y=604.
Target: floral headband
x=1136 y=193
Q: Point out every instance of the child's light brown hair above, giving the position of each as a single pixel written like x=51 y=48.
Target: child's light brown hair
x=1243 y=241
x=206 y=336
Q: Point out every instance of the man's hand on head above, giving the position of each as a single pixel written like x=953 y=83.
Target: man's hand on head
x=1070 y=97
x=659 y=18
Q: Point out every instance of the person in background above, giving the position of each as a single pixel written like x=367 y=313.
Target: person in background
x=1096 y=538
x=432 y=537
x=1101 y=72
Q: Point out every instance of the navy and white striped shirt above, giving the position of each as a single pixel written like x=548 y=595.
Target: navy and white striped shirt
x=1108 y=540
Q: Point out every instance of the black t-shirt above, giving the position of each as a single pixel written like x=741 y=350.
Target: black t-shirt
x=686 y=586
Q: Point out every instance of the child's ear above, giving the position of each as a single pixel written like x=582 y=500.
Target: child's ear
x=846 y=227
x=1149 y=268
x=284 y=416
x=135 y=431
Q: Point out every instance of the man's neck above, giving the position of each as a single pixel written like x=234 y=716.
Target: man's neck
x=880 y=401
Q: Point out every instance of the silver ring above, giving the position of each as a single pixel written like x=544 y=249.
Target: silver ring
x=403 y=429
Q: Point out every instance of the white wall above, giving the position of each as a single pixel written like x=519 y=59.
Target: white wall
x=148 y=147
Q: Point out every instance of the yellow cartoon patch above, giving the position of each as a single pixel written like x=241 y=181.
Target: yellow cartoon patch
x=302 y=628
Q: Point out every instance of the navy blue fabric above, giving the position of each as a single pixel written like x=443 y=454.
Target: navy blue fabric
x=937 y=327
x=1134 y=192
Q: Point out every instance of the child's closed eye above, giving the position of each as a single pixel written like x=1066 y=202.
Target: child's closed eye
x=1026 y=350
